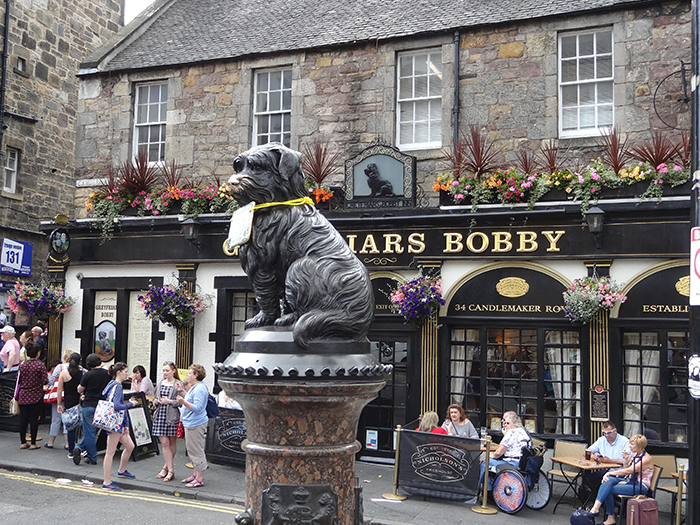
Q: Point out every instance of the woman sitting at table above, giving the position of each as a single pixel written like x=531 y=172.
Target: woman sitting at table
x=510 y=450
x=429 y=423
x=625 y=480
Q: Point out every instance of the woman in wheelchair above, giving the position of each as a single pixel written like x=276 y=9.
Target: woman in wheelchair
x=626 y=480
x=510 y=450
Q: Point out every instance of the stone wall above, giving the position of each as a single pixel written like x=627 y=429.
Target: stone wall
x=52 y=37
x=508 y=78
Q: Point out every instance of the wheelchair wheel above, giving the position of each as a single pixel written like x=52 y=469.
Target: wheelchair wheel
x=509 y=491
x=538 y=496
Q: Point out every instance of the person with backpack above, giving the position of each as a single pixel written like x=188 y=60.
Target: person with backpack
x=195 y=420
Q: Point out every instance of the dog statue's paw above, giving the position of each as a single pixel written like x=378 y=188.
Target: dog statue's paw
x=259 y=320
x=287 y=319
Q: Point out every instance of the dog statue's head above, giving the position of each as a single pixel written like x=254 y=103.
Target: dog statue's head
x=372 y=171
x=267 y=173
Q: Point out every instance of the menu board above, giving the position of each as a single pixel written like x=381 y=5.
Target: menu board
x=138 y=351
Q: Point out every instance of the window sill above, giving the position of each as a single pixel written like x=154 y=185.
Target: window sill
x=14 y=196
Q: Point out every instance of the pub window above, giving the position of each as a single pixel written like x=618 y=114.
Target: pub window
x=544 y=389
x=151 y=108
x=419 y=100
x=273 y=107
x=655 y=387
x=585 y=83
x=243 y=307
x=11 y=168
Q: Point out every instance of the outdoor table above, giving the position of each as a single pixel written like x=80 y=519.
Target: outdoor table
x=583 y=465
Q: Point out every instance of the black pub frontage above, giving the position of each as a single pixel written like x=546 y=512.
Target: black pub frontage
x=501 y=341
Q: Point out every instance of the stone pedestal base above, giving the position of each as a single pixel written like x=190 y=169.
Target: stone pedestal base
x=302 y=433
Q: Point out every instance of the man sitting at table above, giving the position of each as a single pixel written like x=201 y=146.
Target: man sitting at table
x=510 y=450
x=610 y=448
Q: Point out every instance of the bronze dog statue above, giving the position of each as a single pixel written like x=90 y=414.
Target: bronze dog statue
x=302 y=271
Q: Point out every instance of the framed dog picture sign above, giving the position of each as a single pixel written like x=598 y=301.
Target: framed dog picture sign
x=380 y=177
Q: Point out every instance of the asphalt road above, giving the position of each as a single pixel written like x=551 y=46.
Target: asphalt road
x=29 y=499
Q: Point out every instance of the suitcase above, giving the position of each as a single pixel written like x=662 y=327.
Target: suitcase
x=642 y=511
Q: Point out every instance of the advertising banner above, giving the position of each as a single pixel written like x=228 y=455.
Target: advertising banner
x=16 y=257
x=439 y=466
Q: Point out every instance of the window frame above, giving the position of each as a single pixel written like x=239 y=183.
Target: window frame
x=642 y=399
x=597 y=129
x=468 y=353
x=162 y=122
x=268 y=113
x=429 y=144
x=11 y=188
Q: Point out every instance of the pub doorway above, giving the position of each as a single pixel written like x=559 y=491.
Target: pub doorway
x=398 y=402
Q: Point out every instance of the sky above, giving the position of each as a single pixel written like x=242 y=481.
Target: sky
x=133 y=7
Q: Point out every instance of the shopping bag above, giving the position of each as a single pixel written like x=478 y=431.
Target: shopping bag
x=106 y=417
x=71 y=418
x=51 y=395
x=180 y=432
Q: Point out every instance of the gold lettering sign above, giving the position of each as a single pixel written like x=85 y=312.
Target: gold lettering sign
x=683 y=286
x=665 y=308
x=512 y=287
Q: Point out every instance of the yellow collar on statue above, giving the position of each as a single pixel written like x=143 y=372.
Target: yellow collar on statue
x=295 y=202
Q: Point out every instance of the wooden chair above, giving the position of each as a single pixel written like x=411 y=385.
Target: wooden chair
x=668 y=463
x=650 y=493
x=564 y=448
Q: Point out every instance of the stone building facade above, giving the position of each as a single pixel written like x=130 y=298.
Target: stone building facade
x=508 y=84
x=47 y=41
x=193 y=85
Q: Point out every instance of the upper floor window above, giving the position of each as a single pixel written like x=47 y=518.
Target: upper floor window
x=585 y=83
x=11 y=167
x=149 y=125
x=273 y=107
x=419 y=100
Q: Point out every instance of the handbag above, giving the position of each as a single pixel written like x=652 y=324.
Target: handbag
x=582 y=517
x=51 y=395
x=14 y=404
x=180 y=432
x=71 y=418
x=106 y=417
x=212 y=407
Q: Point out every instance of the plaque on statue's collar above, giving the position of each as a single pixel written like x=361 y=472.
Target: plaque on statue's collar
x=241 y=226
x=380 y=177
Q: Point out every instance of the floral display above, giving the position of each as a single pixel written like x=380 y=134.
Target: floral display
x=583 y=185
x=417 y=299
x=42 y=301
x=585 y=297
x=321 y=194
x=172 y=305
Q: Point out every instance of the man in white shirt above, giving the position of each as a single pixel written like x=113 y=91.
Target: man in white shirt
x=609 y=449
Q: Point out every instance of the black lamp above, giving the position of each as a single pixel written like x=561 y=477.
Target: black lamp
x=190 y=229
x=595 y=217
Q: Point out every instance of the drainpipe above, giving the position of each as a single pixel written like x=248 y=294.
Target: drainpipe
x=455 y=104
x=3 y=79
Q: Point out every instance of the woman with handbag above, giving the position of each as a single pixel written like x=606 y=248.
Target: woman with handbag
x=68 y=382
x=195 y=421
x=167 y=417
x=31 y=379
x=626 y=480
x=114 y=394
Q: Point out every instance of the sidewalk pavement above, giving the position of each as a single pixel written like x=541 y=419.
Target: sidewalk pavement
x=226 y=484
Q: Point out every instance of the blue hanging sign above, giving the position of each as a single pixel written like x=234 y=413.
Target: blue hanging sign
x=16 y=257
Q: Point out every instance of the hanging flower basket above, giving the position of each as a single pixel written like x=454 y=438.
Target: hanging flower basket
x=585 y=297
x=174 y=306
x=418 y=299
x=39 y=300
